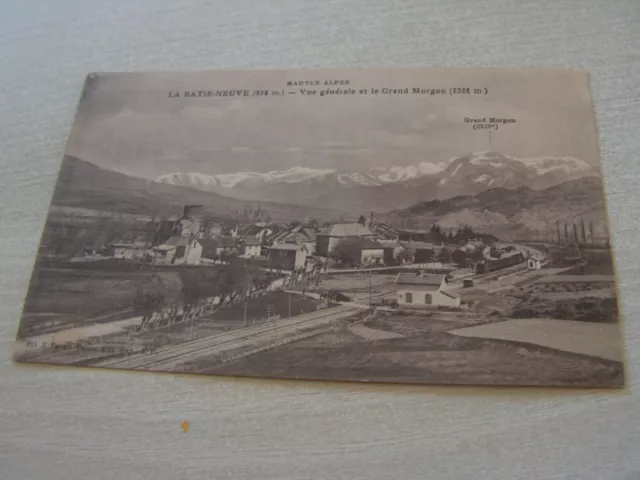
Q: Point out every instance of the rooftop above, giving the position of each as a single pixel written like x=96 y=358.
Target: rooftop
x=285 y=246
x=177 y=242
x=361 y=243
x=419 y=279
x=346 y=230
x=250 y=240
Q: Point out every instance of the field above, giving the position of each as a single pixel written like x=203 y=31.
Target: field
x=425 y=353
x=354 y=286
x=62 y=298
x=122 y=334
x=68 y=297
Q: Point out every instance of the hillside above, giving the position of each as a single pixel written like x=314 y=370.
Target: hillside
x=513 y=212
x=85 y=185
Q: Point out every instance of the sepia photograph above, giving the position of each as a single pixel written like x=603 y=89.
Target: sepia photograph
x=424 y=226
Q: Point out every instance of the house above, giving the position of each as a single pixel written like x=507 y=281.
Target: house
x=358 y=251
x=328 y=238
x=298 y=235
x=534 y=263
x=220 y=247
x=371 y=252
x=129 y=251
x=394 y=252
x=419 y=252
x=424 y=290
x=384 y=231
x=287 y=256
x=251 y=246
x=259 y=230
x=212 y=229
x=492 y=264
x=178 y=251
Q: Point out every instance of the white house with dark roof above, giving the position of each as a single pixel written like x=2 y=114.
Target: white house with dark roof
x=178 y=251
x=424 y=290
x=328 y=238
x=251 y=246
x=287 y=256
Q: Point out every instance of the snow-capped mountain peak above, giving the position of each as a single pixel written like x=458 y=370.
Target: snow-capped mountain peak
x=397 y=185
x=231 y=180
x=375 y=176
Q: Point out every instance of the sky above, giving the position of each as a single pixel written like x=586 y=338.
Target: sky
x=129 y=123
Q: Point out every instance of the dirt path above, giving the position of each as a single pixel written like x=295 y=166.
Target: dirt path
x=593 y=339
x=79 y=333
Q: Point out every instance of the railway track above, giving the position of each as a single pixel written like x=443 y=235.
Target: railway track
x=168 y=358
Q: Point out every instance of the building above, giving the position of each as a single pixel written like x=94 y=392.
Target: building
x=190 y=224
x=192 y=221
x=393 y=252
x=298 y=235
x=371 y=252
x=354 y=251
x=178 y=251
x=328 y=238
x=419 y=252
x=259 y=230
x=383 y=231
x=287 y=256
x=219 y=248
x=129 y=251
x=251 y=246
x=424 y=290
x=534 y=263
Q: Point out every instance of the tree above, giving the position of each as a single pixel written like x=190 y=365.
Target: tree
x=436 y=234
x=362 y=220
x=423 y=255
x=475 y=255
x=459 y=257
x=464 y=234
x=584 y=231
x=444 y=256
x=347 y=251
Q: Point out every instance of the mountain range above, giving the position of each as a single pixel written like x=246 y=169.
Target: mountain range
x=512 y=212
x=385 y=188
x=82 y=184
x=501 y=196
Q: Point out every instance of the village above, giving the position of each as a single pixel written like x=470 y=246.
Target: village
x=420 y=268
x=206 y=295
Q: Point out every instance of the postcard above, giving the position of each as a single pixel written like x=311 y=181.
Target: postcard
x=430 y=226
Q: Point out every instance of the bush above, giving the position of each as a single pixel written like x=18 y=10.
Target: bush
x=338 y=296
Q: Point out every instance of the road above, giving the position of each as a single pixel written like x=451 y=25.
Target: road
x=593 y=339
x=226 y=344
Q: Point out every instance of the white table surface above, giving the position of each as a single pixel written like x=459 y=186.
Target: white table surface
x=66 y=423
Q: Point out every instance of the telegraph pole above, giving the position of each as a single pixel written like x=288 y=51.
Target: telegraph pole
x=246 y=302
x=370 y=301
x=289 y=304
